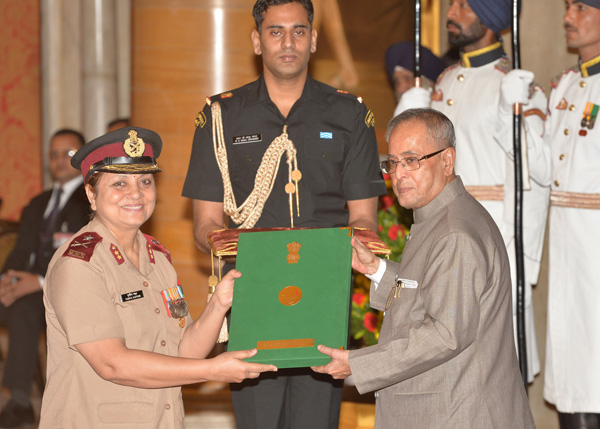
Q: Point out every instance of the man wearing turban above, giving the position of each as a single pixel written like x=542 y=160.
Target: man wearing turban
x=572 y=373
x=478 y=95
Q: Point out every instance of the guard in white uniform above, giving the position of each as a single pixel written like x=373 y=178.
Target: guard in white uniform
x=478 y=94
x=572 y=374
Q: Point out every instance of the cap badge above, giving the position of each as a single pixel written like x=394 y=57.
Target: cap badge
x=134 y=146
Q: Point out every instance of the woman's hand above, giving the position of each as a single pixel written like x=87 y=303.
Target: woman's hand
x=230 y=367
x=223 y=296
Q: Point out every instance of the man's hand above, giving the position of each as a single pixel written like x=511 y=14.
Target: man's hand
x=229 y=366
x=363 y=260
x=415 y=97
x=339 y=367
x=514 y=88
x=25 y=284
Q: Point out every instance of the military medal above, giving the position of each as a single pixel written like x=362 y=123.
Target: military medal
x=590 y=113
x=175 y=303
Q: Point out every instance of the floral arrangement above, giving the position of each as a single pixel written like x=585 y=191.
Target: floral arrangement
x=365 y=322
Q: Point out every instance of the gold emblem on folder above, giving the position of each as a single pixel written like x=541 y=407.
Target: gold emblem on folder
x=294 y=255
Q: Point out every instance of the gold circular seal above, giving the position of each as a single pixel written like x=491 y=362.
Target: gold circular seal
x=290 y=295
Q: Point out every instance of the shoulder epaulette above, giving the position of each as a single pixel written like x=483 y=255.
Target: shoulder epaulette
x=82 y=246
x=153 y=244
x=504 y=65
x=554 y=82
x=446 y=70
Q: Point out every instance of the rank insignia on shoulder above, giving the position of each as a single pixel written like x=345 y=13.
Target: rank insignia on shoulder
x=359 y=99
x=153 y=244
x=341 y=91
x=82 y=246
x=200 y=120
x=227 y=95
x=114 y=250
x=370 y=119
x=208 y=101
x=562 y=105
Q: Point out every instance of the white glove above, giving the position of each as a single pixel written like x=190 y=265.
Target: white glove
x=412 y=99
x=515 y=89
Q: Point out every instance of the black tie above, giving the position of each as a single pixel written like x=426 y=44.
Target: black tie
x=47 y=230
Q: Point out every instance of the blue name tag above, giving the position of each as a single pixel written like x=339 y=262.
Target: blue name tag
x=326 y=135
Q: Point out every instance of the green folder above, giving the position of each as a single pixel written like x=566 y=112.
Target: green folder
x=294 y=294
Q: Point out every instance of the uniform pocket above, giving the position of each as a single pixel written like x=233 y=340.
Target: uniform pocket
x=126 y=412
x=407 y=404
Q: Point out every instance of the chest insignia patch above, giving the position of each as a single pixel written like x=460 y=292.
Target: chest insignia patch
x=562 y=105
x=130 y=296
x=200 y=120
x=437 y=95
x=326 y=135
x=82 y=246
x=370 y=119
x=251 y=138
x=174 y=301
x=114 y=250
x=152 y=245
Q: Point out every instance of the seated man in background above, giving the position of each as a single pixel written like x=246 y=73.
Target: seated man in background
x=46 y=223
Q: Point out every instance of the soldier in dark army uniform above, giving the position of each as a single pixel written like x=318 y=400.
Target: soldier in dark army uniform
x=329 y=177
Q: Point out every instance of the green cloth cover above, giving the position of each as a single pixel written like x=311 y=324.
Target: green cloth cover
x=322 y=273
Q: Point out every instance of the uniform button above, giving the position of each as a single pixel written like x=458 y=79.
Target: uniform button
x=566 y=131
x=572 y=107
x=145 y=284
x=460 y=77
x=562 y=156
x=157 y=310
x=325 y=154
x=167 y=407
x=556 y=183
x=450 y=102
x=582 y=84
x=376 y=394
x=163 y=343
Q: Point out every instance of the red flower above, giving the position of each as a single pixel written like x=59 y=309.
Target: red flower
x=370 y=321
x=358 y=298
x=393 y=232
x=386 y=202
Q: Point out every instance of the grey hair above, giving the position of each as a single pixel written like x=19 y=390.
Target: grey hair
x=439 y=127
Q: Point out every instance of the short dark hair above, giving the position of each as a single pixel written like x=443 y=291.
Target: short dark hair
x=439 y=127
x=261 y=6
x=116 y=121
x=70 y=132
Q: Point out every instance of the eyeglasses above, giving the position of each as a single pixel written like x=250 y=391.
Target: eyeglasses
x=409 y=163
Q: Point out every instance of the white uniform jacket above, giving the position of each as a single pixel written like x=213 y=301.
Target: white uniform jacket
x=469 y=94
x=572 y=375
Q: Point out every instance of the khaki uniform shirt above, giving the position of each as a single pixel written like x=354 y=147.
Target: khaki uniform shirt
x=93 y=293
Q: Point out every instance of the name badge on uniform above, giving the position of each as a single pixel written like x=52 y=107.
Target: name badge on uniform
x=252 y=138
x=130 y=296
x=174 y=302
x=399 y=284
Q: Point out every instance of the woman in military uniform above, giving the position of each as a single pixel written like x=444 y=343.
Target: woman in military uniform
x=120 y=338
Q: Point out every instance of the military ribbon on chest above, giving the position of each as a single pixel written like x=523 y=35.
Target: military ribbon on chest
x=590 y=114
x=174 y=302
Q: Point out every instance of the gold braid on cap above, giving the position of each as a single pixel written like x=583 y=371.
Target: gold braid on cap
x=250 y=211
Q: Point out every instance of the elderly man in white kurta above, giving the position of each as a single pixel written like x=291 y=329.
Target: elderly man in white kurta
x=478 y=94
x=572 y=374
